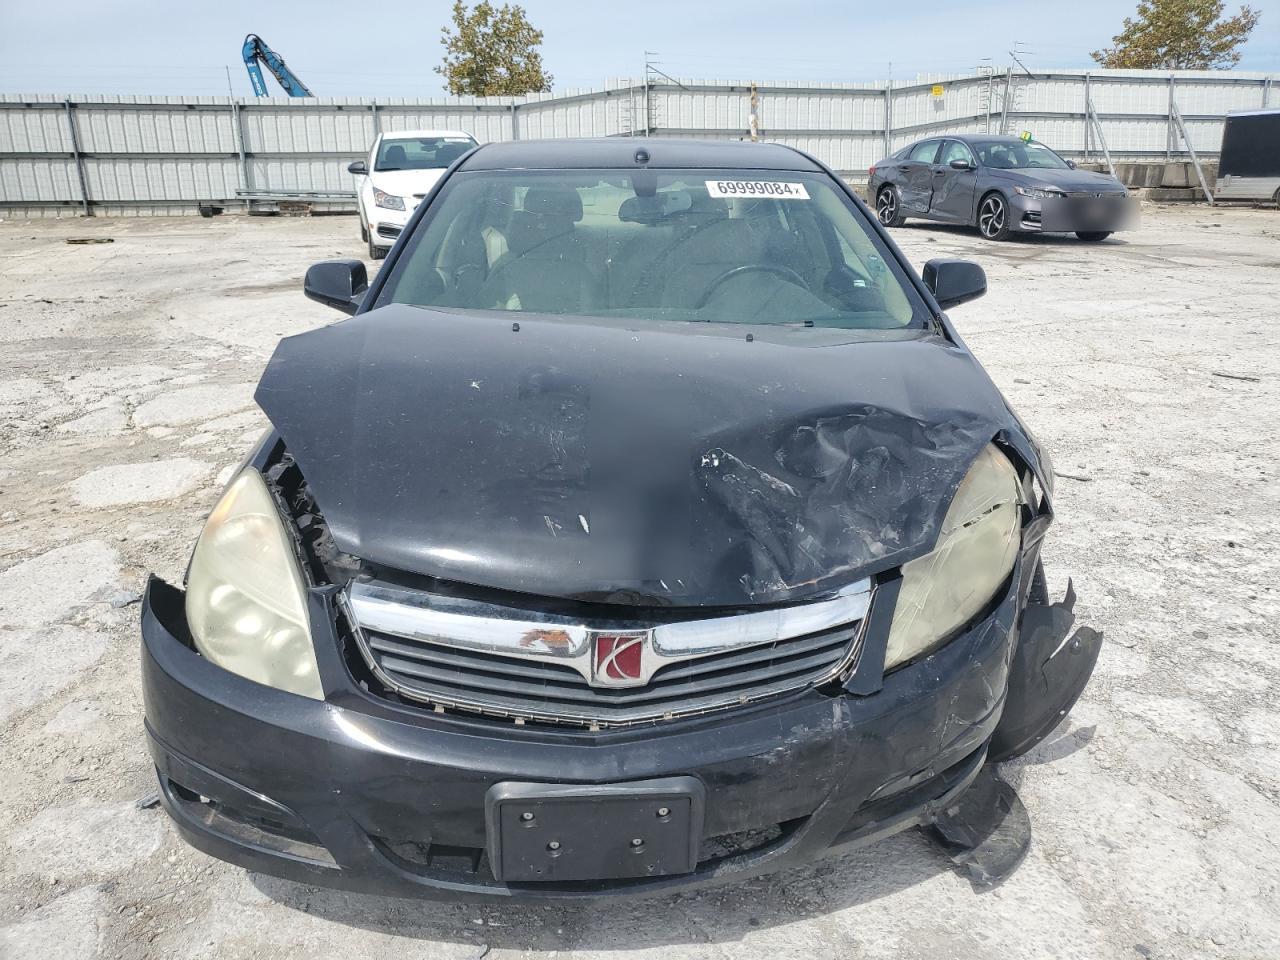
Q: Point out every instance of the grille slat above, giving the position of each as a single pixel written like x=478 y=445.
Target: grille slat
x=718 y=677
x=438 y=673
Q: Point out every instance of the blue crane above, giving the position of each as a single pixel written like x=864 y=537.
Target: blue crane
x=255 y=49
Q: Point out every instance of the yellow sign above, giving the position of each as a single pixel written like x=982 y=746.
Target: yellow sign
x=938 y=90
x=1025 y=136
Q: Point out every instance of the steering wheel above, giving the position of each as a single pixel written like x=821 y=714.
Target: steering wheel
x=786 y=273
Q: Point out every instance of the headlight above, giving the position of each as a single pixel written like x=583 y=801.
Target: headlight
x=1039 y=194
x=945 y=589
x=384 y=199
x=245 y=595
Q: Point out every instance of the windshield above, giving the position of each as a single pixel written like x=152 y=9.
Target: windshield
x=1004 y=155
x=420 y=153
x=726 y=246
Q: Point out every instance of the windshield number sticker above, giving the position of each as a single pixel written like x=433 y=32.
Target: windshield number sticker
x=774 y=189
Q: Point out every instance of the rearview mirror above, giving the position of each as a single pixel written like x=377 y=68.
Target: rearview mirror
x=961 y=164
x=953 y=282
x=1071 y=164
x=340 y=284
x=359 y=167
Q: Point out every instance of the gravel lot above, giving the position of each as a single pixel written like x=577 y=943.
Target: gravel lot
x=1149 y=364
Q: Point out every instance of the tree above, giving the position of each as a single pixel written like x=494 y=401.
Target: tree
x=1179 y=35
x=492 y=51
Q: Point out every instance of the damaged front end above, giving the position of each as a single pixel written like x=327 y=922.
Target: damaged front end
x=802 y=739
x=557 y=610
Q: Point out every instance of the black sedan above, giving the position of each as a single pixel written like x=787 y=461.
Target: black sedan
x=647 y=526
x=1001 y=185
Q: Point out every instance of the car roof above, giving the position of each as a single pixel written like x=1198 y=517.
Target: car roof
x=621 y=152
x=981 y=138
x=412 y=134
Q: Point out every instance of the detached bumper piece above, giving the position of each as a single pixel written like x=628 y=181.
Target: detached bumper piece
x=1051 y=667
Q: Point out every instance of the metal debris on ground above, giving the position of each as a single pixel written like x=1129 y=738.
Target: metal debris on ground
x=148 y=801
x=83 y=240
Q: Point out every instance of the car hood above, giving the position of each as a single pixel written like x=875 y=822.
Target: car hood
x=1072 y=181
x=643 y=463
x=405 y=183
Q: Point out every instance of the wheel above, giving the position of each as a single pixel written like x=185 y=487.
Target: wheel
x=993 y=217
x=1093 y=236
x=376 y=252
x=888 y=208
x=364 y=232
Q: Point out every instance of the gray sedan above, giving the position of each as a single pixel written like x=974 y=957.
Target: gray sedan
x=1001 y=185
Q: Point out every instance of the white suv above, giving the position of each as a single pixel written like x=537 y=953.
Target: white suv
x=402 y=168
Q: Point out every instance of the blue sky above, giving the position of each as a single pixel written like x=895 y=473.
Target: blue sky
x=390 y=48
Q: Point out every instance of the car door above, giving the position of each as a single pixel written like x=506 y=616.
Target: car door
x=953 y=189
x=915 y=183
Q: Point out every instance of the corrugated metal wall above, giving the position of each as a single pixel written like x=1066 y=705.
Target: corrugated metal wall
x=131 y=155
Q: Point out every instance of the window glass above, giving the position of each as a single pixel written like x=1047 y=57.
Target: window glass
x=725 y=246
x=420 y=153
x=955 y=150
x=925 y=151
x=1019 y=155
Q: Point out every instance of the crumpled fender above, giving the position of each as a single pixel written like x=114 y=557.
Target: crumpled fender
x=1050 y=669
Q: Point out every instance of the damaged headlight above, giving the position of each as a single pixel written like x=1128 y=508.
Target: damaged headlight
x=387 y=200
x=245 y=597
x=945 y=589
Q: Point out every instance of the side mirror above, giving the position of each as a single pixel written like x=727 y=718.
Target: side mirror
x=1071 y=164
x=359 y=167
x=340 y=284
x=953 y=282
x=959 y=164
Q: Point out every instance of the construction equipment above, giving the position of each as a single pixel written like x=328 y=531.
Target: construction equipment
x=255 y=49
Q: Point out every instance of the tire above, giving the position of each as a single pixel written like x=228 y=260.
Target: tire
x=993 y=217
x=889 y=208
x=376 y=252
x=1093 y=236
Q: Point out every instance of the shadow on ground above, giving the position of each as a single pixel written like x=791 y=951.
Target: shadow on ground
x=722 y=915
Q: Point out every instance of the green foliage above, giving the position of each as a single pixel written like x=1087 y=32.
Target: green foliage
x=492 y=51
x=1179 y=35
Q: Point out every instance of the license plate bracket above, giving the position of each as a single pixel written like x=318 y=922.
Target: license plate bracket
x=541 y=832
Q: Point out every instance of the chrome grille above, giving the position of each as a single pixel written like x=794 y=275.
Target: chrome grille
x=535 y=686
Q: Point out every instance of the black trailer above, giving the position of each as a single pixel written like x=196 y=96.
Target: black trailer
x=1249 y=166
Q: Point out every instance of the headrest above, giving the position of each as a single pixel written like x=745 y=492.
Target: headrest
x=554 y=201
x=395 y=155
x=450 y=152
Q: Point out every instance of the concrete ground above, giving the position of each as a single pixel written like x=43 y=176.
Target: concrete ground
x=1149 y=365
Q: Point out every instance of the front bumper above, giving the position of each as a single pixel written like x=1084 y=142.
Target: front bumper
x=386 y=225
x=1105 y=214
x=364 y=795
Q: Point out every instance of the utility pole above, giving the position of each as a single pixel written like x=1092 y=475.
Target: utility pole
x=647 y=68
x=1010 y=87
x=650 y=70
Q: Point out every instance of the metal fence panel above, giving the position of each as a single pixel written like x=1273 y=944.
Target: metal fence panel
x=155 y=154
